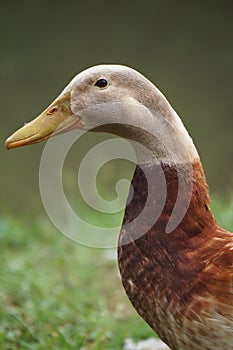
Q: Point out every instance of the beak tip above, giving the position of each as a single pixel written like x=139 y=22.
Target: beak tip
x=8 y=143
x=12 y=142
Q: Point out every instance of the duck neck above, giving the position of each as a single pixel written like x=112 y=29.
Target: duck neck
x=170 y=203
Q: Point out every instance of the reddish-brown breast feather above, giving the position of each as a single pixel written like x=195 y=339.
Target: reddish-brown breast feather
x=179 y=282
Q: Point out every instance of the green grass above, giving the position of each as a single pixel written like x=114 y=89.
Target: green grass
x=57 y=295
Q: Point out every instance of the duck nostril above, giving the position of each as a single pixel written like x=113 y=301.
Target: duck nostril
x=52 y=110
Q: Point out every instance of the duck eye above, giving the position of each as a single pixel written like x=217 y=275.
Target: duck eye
x=101 y=83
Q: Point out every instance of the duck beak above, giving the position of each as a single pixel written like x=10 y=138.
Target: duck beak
x=56 y=119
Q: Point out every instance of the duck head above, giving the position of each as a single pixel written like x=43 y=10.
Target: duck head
x=115 y=99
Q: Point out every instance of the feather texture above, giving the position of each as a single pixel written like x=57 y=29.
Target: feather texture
x=180 y=282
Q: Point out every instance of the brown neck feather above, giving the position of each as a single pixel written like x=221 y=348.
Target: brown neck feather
x=171 y=253
x=192 y=190
x=163 y=272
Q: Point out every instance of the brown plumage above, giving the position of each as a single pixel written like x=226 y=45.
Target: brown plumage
x=180 y=280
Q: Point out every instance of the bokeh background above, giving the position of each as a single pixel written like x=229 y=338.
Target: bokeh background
x=56 y=294
x=185 y=48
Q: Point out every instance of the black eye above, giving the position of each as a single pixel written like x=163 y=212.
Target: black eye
x=101 y=83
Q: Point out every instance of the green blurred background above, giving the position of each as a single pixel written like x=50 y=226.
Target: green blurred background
x=184 y=47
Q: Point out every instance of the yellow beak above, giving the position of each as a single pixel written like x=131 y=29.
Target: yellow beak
x=56 y=119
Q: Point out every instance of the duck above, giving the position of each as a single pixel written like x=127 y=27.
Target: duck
x=175 y=262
